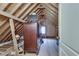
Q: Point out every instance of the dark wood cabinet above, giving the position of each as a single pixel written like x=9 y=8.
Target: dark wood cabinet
x=30 y=37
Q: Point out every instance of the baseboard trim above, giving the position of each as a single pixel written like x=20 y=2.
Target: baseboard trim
x=64 y=46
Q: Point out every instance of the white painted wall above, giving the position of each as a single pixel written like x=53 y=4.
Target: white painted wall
x=69 y=29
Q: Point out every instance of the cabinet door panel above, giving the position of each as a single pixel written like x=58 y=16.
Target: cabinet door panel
x=30 y=37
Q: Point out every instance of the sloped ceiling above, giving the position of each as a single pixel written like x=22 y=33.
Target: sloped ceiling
x=21 y=11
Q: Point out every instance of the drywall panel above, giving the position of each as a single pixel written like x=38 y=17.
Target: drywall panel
x=69 y=26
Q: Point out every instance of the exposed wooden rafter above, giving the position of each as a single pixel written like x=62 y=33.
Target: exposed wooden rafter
x=48 y=9
x=29 y=10
x=4 y=5
x=52 y=8
x=24 y=9
x=13 y=36
x=11 y=16
x=34 y=10
x=16 y=7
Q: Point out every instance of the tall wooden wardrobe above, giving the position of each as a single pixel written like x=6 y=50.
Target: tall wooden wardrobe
x=30 y=37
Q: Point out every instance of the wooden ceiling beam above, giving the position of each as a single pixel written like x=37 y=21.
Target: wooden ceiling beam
x=9 y=34
x=7 y=31
x=52 y=8
x=5 y=5
x=13 y=36
x=39 y=8
x=24 y=9
x=18 y=33
x=21 y=30
x=11 y=16
x=18 y=29
x=21 y=26
x=4 y=28
x=9 y=38
x=3 y=36
x=49 y=10
x=12 y=13
x=16 y=7
x=46 y=12
x=54 y=19
x=55 y=5
x=40 y=12
x=29 y=10
x=3 y=22
x=34 y=10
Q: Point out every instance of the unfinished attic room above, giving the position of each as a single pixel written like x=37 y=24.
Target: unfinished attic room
x=29 y=29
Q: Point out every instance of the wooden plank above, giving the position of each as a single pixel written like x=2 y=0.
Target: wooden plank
x=24 y=9
x=18 y=29
x=4 y=28
x=3 y=5
x=54 y=18
x=35 y=9
x=13 y=36
x=8 y=34
x=52 y=8
x=29 y=10
x=5 y=33
x=11 y=16
x=53 y=21
x=16 y=7
x=2 y=36
x=12 y=13
x=8 y=37
x=21 y=30
x=55 y=5
x=3 y=22
x=10 y=7
x=49 y=10
x=40 y=12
